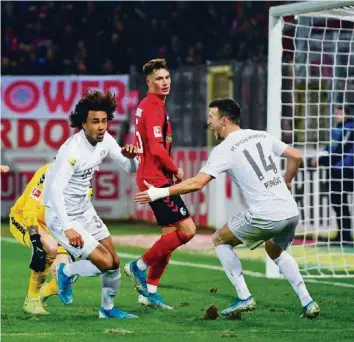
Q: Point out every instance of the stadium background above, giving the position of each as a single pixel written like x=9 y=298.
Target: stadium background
x=53 y=51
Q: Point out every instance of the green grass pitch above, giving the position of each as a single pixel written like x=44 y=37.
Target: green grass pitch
x=187 y=288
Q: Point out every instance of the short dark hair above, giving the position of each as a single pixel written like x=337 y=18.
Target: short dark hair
x=96 y=101
x=227 y=108
x=345 y=108
x=153 y=65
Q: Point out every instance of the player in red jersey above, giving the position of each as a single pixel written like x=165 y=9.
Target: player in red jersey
x=154 y=140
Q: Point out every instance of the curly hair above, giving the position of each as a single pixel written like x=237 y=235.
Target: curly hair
x=96 y=101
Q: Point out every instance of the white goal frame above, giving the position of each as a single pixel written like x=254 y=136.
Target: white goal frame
x=274 y=91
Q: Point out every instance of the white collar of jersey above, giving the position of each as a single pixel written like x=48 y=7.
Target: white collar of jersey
x=235 y=132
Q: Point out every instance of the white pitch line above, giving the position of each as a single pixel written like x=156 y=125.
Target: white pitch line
x=315 y=281
x=130 y=332
x=194 y=265
x=216 y=268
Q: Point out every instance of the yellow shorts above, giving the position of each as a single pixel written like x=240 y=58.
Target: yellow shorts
x=20 y=232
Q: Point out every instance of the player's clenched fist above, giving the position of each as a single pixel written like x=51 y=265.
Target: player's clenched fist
x=179 y=176
x=75 y=239
x=129 y=151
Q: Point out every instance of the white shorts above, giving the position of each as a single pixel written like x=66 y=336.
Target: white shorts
x=252 y=235
x=87 y=224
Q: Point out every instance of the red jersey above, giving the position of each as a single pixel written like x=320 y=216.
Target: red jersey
x=153 y=137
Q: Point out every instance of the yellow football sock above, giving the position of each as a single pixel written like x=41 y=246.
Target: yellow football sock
x=50 y=289
x=37 y=280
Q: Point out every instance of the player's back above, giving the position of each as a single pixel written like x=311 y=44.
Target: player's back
x=251 y=156
x=31 y=196
x=152 y=127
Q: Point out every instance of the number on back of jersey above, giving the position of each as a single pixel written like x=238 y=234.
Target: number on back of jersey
x=268 y=165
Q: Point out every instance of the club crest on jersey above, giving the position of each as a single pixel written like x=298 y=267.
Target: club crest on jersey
x=72 y=161
x=157 y=132
x=103 y=153
x=183 y=211
x=36 y=193
x=169 y=138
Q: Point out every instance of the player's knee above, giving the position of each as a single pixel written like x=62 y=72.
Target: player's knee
x=116 y=262
x=188 y=228
x=51 y=248
x=106 y=263
x=190 y=234
x=216 y=239
x=183 y=237
x=62 y=258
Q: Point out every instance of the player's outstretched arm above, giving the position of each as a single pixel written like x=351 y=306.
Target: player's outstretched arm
x=189 y=185
x=294 y=158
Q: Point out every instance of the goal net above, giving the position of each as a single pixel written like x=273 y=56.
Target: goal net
x=310 y=84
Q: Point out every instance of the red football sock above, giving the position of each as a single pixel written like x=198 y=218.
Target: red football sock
x=165 y=245
x=156 y=270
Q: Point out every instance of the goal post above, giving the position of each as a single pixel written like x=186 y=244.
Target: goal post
x=310 y=74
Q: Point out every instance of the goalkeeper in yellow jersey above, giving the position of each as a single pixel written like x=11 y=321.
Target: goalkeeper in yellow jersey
x=27 y=225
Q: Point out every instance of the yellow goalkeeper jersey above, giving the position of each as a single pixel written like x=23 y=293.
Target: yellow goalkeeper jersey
x=29 y=204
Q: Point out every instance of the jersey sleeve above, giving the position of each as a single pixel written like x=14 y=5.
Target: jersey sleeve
x=129 y=165
x=32 y=204
x=154 y=121
x=278 y=146
x=65 y=167
x=217 y=163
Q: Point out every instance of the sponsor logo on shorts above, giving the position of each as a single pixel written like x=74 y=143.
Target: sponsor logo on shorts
x=183 y=211
x=36 y=193
x=157 y=132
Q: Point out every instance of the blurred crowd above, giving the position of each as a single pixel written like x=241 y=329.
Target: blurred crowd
x=51 y=38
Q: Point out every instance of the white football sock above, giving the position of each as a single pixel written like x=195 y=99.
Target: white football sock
x=142 y=266
x=290 y=269
x=110 y=282
x=151 y=288
x=84 y=268
x=233 y=269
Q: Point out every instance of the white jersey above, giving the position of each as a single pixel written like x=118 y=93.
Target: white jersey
x=67 y=180
x=248 y=156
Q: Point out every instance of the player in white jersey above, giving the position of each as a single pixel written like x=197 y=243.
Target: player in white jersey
x=70 y=216
x=248 y=156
